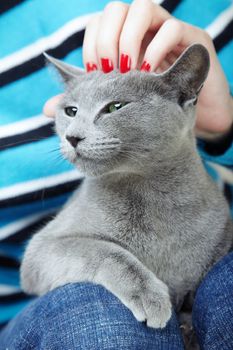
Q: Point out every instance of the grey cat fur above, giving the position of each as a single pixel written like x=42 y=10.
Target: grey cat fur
x=147 y=222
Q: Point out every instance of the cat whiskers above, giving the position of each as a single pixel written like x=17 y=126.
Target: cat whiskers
x=102 y=148
x=131 y=151
x=131 y=155
x=56 y=155
x=135 y=146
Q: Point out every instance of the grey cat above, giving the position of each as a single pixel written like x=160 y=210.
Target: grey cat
x=147 y=222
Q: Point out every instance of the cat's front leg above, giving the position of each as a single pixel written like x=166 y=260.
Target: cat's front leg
x=50 y=263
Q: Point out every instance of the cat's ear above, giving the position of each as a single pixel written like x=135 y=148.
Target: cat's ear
x=187 y=75
x=66 y=71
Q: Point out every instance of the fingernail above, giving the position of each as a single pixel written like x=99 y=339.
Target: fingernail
x=107 y=65
x=91 y=66
x=145 y=66
x=125 y=63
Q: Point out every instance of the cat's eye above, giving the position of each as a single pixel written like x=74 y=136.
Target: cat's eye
x=71 y=111
x=112 y=107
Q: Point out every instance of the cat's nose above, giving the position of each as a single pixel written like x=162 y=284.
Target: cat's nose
x=74 y=140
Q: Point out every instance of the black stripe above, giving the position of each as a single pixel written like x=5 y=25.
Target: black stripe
x=38 y=134
x=219 y=145
x=76 y=41
x=224 y=37
x=14 y=297
x=27 y=232
x=228 y=193
x=36 y=63
x=2 y=325
x=6 y=5
x=41 y=194
x=170 y=5
x=70 y=44
x=6 y=261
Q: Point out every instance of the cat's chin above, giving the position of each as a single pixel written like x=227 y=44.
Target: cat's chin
x=93 y=167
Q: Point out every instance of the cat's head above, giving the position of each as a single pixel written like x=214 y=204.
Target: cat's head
x=129 y=122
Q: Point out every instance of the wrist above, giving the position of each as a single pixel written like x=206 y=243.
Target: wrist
x=212 y=127
x=219 y=145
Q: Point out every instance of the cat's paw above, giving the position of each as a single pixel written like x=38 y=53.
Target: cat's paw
x=29 y=278
x=151 y=305
x=33 y=279
x=32 y=282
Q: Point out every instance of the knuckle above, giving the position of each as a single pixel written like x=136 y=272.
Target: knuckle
x=105 y=43
x=127 y=40
x=206 y=36
x=174 y=24
x=115 y=5
x=203 y=37
x=144 y=5
x=143 y=2
x=93 y=21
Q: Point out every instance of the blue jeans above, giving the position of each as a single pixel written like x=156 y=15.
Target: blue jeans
x=86 y=316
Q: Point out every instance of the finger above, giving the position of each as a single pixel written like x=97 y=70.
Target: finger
x=173 y=36
x=107 y=41
x=164 y=65
x=50 y=106
x=171 y=58
x=143 y=16
x=89 y=44
x=167 y=62
x=166 y=39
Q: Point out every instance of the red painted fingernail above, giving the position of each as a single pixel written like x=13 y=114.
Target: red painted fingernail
x=107 y=65
x=91 y=66
x=125 y=63
x=145 y=66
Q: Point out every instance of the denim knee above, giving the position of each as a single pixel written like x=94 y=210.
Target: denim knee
x=85 y=316
x=213 y=307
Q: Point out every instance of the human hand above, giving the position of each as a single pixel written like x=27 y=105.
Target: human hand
x=145 y=36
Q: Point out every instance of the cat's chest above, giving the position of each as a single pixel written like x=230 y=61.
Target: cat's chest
x=136 y=224
x=135 y=220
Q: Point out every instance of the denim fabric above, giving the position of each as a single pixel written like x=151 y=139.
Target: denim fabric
x=213 y=307
x=84 y=316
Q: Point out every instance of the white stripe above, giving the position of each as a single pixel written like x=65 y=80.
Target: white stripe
x=14 y=227
x=23 y=126
x=38 y=184
x=44 y=44
x=8 y=290
x=158 y=2
x=79 y=23
x=225 y=174
x=215 y=28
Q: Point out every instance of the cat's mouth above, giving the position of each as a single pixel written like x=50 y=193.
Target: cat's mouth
x=94 y=155
x=99 y=150
x=86 y=154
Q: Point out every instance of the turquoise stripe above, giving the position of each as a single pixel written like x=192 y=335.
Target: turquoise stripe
x=14 y=251
x=225 y=57
x=24 y=24
x=200 y=13
x=9 y=311
x=25 y=97
x=9 y=215
x=31 y=161
x=9 y=276
x=211 y=172
x=15 y=96
x=224 y=159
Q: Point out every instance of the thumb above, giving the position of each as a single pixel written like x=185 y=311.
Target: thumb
x=50 y=106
